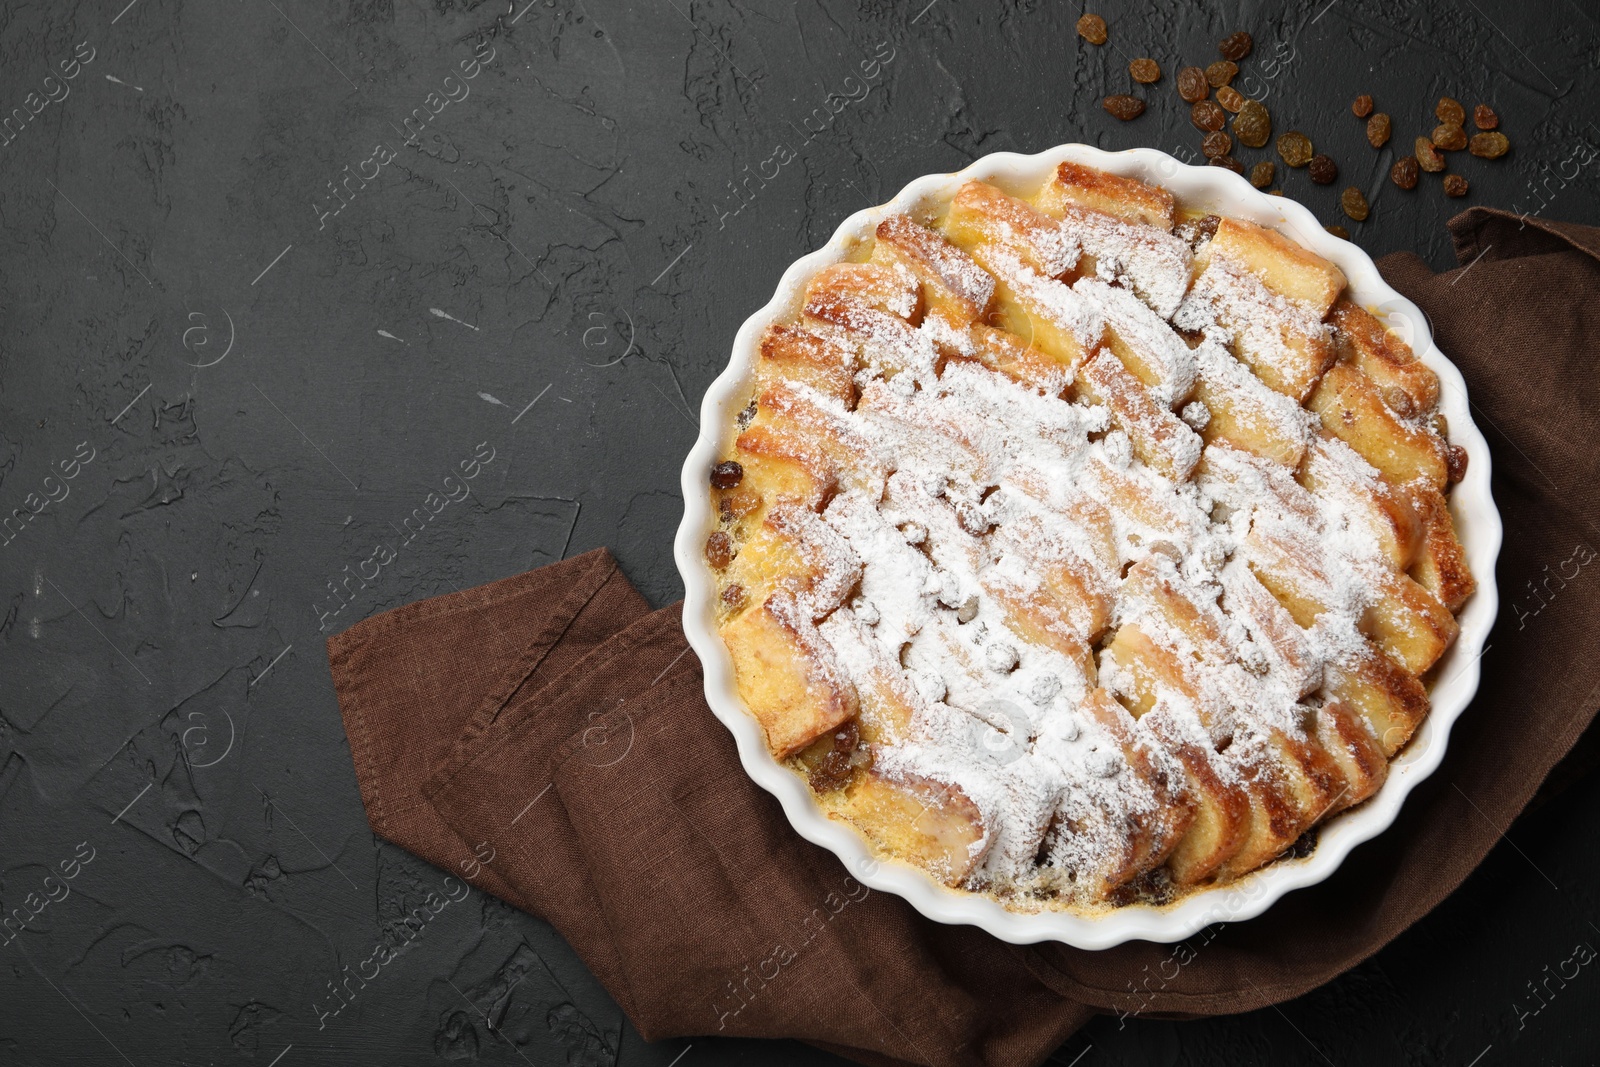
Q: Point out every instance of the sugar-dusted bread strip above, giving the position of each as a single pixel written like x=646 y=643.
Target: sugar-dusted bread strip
x=1392 y=700
x=793 y=353
x=1286 y=268
x=1291 y=783
x=1221 y=805
x=1440 y=565
x=1352 y=408
x=1156 y=828
x=1160 y=439
x=1243 y=412
x=1347 y=738
x=1284 y=342
x=1143 y=341
x=794 y=550
x=1288 y=649
x=1354 y=489
x=982 y=217
x=1407 y=621
x=787 y=674
x=838 y=289
x=1124 y=228
x=1125 y=198
x=1408 y=385
x=1010 y=355
x=951 y=280
x=932 y=824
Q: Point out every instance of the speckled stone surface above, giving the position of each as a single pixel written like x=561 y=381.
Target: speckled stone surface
x=274 y=269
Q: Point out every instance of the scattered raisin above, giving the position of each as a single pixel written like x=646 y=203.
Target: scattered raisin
x=1378 y=128
x=1092 y=28
x=1262 y=173
x=1489 y=145
x=1455 y=462
x=1221 y=73
x=1354 y=204
x=1484 y=118
x=733 y=596
x=1440 y=424
x=1428 y=157
x=1399 y=401
x=1216 y=144
x=1450 y=110
x=1124 y=107
x=727 y=474
x=1338 y=231
x=1236 y=45
x=1323 y=170
x=1252 y=125
x=1449 y=136
x=832 y=771
x=1455 y=185
x=1404 y=172
x=1362 y=107
x=738 y=504
x=1207 y=115
x=1192 y=85
x=1230 y=98
x=1304 y=845
x=1145 y=71
x=1295 y=148
x=1229 y=162
x=1198 y=230
x=719 y=550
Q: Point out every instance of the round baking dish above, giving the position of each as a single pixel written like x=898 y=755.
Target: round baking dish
x=1455 y=676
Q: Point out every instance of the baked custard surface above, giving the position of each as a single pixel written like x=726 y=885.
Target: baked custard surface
x=1081 y=549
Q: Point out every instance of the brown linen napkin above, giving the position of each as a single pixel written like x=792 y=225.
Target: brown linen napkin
x=546 y=737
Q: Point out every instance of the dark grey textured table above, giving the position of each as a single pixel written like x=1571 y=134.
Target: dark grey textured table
x=273 y=268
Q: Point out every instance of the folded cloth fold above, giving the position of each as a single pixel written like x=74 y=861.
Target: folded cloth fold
x=546 y=737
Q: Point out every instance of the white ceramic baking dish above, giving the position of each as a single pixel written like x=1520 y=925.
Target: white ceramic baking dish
x=1456 y=675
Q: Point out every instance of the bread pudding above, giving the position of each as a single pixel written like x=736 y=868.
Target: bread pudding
x=1083 y=549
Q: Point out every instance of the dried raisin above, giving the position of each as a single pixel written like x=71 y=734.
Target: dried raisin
x=1221 y=73
x=1124 y=107
x=1197 y=231
x=1145 y=71
x=1455 y=185
x=719 y=550
x=1449 y=110
x=727 y=474
x=1404 y=172
x=1428 y=157
x=1489 y=145
x=1230 y=98
x=1323 y=170
x=1262 y=173
x=1484 y=118
x=1449 y=136
x=1092 y=28
x=1378 y=129
x=733 y=596
x=1192 y=85
x=1354 y=204
x=1207 y=115
x=1216 y=144
x=1229 y=162
x=1455 y=461
x=1253 y=126
x=1295 y=148
x=1362 y=107
x=1338 y=231
x=1236 y=45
